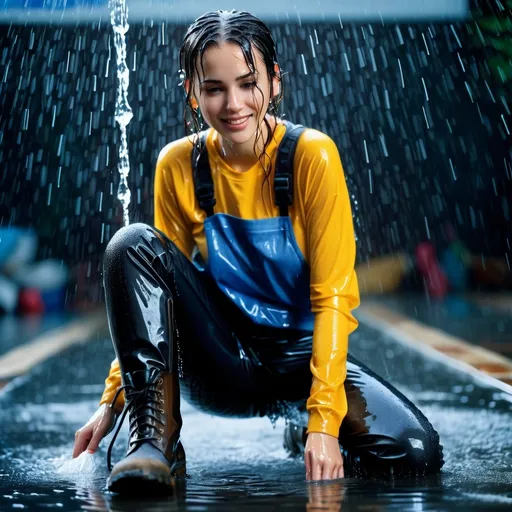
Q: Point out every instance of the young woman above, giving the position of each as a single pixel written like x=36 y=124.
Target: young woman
x=245 y=285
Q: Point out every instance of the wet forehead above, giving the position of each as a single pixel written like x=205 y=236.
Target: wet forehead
x=226 y=62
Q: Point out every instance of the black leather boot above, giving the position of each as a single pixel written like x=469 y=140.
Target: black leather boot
x=155 y=456
x=140 y=307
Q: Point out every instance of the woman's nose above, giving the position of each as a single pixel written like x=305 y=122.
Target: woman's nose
x=234 y=101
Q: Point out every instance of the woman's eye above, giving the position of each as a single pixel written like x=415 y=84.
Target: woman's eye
x=247 y=85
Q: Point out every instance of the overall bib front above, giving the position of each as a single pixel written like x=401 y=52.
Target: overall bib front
x=259 y=267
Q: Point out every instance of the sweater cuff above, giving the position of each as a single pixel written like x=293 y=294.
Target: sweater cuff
x=324 y=421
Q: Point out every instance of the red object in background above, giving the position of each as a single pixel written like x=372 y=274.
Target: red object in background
x=30 y=302
x=429 y=267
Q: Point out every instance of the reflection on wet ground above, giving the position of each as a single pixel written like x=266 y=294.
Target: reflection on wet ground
x=470 y=320
x=235 y=464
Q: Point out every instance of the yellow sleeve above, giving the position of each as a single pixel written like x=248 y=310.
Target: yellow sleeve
x=331 y=253
x=168 y=215
x=169 y=220
x=112 y=384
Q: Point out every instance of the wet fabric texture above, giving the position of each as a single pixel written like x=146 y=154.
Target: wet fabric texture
x=230 y=366
x=240 y=251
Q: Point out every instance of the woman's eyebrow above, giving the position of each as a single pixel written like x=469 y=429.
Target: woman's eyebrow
x=242 y=77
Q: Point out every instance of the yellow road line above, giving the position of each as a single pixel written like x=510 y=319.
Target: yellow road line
x=21 y=359
x=501 y=301
x=478 y=361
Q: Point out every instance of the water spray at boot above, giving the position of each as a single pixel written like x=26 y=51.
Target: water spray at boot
x=123 y=111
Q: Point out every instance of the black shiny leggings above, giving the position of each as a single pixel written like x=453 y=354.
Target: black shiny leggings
x=228 y=366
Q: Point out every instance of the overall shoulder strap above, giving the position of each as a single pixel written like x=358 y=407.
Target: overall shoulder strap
x=203 y=183
x=283 y=178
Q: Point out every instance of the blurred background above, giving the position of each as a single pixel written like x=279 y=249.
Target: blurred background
x=416 y=94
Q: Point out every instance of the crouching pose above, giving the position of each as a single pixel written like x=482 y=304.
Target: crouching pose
x=240 y=296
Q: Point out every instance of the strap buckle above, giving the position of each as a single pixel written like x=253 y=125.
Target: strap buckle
x=282 y=187
x=205 y=196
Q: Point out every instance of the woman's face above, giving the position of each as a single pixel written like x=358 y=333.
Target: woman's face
x=227 y=95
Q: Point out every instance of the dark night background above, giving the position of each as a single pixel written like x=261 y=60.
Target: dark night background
x=413 y=162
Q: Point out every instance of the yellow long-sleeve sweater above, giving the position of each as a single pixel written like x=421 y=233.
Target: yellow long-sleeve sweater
x=322 y=223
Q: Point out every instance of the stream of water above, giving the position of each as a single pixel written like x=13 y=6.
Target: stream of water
x=123 y=111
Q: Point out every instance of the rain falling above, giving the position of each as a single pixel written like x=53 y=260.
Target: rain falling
x=417 y=101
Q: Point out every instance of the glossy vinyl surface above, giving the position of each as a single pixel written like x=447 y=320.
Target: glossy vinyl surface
x=239 y=251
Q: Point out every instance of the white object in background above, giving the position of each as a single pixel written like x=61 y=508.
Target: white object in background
x=25 y=251
x=8 y=295
x=43 y=275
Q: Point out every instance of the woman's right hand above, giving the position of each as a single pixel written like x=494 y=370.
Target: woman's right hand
x=99 y=425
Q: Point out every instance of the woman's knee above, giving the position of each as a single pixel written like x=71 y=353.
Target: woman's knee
x=415 y=452
x=385 y=430
x=145 y=244
x=124 y=239
x=417 y=439
x=424 y=452
x=142 y=241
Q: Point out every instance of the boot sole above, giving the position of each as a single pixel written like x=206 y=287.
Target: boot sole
x=141 y=482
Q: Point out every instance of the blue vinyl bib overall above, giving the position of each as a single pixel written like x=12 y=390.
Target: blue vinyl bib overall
x=259 y=266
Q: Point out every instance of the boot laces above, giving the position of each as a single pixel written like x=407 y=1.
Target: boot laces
x=145 y=405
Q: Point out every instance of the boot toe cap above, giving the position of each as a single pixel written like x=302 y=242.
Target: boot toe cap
x=145 y=470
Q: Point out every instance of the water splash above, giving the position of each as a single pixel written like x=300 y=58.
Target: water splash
x=123 y=111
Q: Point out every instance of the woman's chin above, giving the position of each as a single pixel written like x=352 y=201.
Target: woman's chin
x=237 y=138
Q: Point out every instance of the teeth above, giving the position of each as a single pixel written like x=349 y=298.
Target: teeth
x=240 y=121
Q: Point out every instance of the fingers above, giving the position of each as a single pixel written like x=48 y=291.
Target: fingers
x=332 y=472
x=337 y=472
x=91 y=434
x=323 y=457
x=307 y=461
x=99 y=433
x=328 y=471
x=82 y=438
x=317 y=470
x=324 y=472
x=95 y=441
x=313 y=466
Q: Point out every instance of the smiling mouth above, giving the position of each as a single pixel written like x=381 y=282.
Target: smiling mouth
x=241 y=120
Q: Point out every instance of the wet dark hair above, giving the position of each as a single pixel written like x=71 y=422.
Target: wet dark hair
x=237 y=27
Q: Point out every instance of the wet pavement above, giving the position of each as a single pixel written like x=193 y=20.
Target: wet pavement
x=480 y=324
x=16 y=331
x=241 y=464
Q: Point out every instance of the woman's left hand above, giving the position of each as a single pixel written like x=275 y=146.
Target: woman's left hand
x=322 y=456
